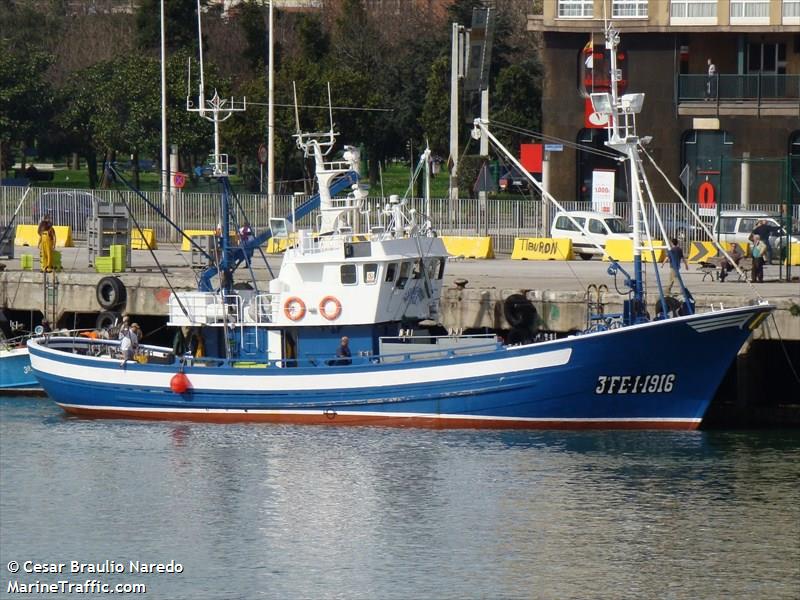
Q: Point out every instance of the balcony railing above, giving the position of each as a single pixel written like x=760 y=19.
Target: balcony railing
x=756 y=87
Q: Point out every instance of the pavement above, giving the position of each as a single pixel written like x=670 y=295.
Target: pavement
x=499 y=273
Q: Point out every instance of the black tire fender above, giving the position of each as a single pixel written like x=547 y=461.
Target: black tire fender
x=111 y=293
x=107 y=319
x=519 y=311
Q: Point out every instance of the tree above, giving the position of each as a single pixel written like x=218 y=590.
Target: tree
x=25 y=97
x=435 y=117
x=180 y=23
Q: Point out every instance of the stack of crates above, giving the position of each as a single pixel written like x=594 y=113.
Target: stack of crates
x=26 y=262
x=56 y=260
x=118 y=252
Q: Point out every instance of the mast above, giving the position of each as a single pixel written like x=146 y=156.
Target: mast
x=621 y=128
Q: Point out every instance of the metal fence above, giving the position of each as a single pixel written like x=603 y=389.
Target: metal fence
x=501 y=219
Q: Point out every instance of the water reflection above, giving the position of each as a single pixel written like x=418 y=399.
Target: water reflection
x=297 y=512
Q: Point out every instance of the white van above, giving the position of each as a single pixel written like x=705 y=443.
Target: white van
x=601 y=227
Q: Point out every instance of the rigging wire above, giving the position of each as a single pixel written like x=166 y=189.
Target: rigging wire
x=549 y=138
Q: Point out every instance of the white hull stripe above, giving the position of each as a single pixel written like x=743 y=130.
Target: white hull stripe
x=275 y=381
x=720 y=323
x=363 y=413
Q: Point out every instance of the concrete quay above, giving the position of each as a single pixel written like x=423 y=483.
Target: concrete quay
x=557 y=289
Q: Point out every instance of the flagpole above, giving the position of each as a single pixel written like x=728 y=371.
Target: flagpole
x=164 y=155
x=270 y=124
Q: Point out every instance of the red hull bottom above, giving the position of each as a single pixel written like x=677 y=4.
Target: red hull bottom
x=376 y=420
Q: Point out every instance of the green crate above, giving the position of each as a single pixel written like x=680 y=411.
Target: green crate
x=57 y=260
x=104 y=264
x=118 y=263
x=117 y=250
x=26 y=262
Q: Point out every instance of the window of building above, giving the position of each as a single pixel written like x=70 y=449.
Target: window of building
x=697 y=12
x=348 y=274
x=791 y=12
x=580 y=9
x=749 y=11
x=629 y=8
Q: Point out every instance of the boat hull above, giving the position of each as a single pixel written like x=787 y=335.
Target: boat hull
x=15 y=370
x=659 y=375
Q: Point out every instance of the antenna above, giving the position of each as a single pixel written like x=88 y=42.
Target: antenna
x=296 y=111
x=220 y=109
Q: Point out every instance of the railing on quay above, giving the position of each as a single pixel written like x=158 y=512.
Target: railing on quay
x=501 y=219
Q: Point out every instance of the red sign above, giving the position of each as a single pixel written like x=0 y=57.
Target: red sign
x=179 y=180
x=591 y=120
x=530 y=155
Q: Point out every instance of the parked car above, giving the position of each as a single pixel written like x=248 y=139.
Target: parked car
x=601 y=227
x=513 y=180
x=65 y=208
x=735 y=226
x=683 y=230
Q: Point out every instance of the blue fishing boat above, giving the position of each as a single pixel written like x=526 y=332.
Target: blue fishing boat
x=15 y=366
x=270 y=351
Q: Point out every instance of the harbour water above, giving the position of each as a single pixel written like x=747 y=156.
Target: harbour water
x=263 y=511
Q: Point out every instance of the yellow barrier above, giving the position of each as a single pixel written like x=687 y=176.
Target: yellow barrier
x=185 y=245
x=27 y=235
x=745 y=248
x=542 y=249
x=276 y=246
x=622 y=250
x=701 y=252
x=144 y=240
x=468 y=247
x=794 y=254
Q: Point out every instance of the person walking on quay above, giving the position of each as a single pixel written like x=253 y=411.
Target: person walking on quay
x=47 y=244
x=758 y=252
x=675 y=255
x=711 y=81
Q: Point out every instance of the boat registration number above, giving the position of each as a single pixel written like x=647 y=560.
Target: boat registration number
x=635 y=384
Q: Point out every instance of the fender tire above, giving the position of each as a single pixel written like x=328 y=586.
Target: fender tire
x=519 y=311
x=106 y=319
x=111 y=293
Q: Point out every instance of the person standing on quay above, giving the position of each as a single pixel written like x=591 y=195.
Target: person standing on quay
x=47 y=244
x=675 y=255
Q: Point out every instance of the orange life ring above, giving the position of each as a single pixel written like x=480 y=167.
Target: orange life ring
x=337 y=308
x=706 y=195
x=294 y=308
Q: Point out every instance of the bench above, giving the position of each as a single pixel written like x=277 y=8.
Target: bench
x=712 y=268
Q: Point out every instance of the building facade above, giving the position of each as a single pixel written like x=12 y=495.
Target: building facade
x=731 y=131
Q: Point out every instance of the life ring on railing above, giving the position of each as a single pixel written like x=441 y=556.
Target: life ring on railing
x=294 y=308
x=323 y=308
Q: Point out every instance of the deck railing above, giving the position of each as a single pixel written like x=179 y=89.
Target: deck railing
x=753 y=87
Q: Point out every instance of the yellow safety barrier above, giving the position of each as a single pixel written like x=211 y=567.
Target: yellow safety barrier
x=622 y=250
x=28 y=235
x=185 y=245
x=468 y=247
x=745 y=248
x=701 y=252
x=276 y=246
x=146 y=239
x=794 y=254
x=542 y=249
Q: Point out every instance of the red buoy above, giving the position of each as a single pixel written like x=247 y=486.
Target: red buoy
x=179 y=383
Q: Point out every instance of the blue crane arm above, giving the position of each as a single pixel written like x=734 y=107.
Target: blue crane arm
x=244 y=252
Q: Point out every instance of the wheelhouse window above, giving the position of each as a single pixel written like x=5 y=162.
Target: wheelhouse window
x=693 y=12
x=405 y=271
x=348 y=274
x=575 y=9
x=391 y=272
x=436 y=268
x=629 y=9
x=370 y=273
